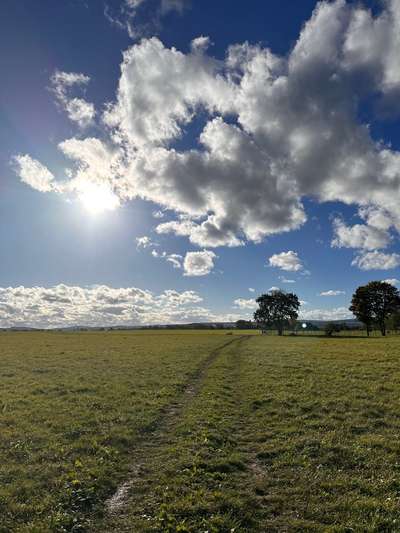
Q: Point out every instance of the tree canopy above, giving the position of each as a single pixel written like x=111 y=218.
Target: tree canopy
x=277 y=308
x=375 y=303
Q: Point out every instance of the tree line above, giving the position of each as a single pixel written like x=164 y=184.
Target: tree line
x=375 y=305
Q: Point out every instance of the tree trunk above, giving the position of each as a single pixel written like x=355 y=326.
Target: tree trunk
x=383 y=330
x=280 y=332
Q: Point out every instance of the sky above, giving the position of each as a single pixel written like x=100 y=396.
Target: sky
x=167 y=161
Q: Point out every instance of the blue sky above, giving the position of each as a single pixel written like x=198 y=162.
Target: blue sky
x=240 y=146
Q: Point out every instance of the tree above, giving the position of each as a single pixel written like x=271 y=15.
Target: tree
x=276 y=309
x=375 y=303
x=361 y=306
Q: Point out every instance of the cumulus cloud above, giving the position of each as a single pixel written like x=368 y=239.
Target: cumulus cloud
x=276 y=129
x=251 y=289
x=288 y=261
x=359 y=236
x=376 y=217
x=244 y=303
x=33 y=173
x=92 y=176
x=332 y=293
x=200 y=44
x=78 y=110
x=376 y=261
x=205 y=234
x=100 y=305
x=94 y=163
x=372 y=235
x=198 y=263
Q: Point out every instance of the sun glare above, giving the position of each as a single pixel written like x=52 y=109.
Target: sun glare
x=98 y=198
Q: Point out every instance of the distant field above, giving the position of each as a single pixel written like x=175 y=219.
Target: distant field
x=198 y=431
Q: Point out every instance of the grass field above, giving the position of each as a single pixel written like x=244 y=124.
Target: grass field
x=198 y=431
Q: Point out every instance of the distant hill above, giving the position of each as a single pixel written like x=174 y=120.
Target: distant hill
x=350 y=323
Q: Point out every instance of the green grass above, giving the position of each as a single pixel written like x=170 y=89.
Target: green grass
x=71 y=406
x=211 y=432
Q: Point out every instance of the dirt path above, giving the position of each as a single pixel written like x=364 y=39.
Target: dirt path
x=159 y=435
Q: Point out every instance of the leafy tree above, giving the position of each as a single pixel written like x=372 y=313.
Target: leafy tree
x=277 y=308
x=375 y=303
x=361 y=306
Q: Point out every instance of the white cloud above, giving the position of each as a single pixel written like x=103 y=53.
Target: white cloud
x=392 y=281
x=144 y=242
x=99 y=305
x=200 y=44
x=285 y=280
x=359 y=236
x=277 y=129
x=158 y=106
x=251 y=289
x=332 y=293
x=34 y=173
x=78 y=110
x=94 y=162
x=376 y=261
x=244 y=303
x=95 y=167
x=208 y=233
x=198 y=263
x=63 y=81
x=273 y=289
x=376 y=217
x=288 y=261
x=142 y=17
x=175 y=260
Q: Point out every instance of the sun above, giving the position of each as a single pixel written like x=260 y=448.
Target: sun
x=98 y=198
